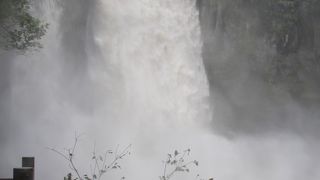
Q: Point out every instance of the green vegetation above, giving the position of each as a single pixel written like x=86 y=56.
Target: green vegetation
x=19 y=30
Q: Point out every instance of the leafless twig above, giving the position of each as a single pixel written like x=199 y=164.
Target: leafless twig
x=100 y=162
x=177 y=163
x=69 y=156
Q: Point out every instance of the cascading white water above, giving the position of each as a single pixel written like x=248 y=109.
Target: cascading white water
x=155 y=48
x=142 y=81
x=127 y=71
x=150 y=68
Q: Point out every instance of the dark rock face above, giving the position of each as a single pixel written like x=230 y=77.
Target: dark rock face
x=262 y=80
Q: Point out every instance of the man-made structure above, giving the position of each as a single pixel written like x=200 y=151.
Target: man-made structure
x=24 y=173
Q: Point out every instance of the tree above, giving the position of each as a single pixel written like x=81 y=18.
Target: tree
x=19 y=30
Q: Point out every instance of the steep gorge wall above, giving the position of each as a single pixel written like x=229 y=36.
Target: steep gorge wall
x=257 y=87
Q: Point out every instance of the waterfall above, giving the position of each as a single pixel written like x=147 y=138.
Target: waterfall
x=155 y=49
x=131 y=72
x=146 y=55
x=121 y=71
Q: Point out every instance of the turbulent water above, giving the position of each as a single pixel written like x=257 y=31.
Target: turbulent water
x=154 y=48
x=120 y=71
x=128 y=72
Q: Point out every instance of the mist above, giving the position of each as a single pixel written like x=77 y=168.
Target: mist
x=163 y=75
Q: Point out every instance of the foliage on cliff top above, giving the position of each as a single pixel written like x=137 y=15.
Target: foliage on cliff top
x=19 y=29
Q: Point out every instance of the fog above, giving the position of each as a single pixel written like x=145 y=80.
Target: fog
x=160 y=75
